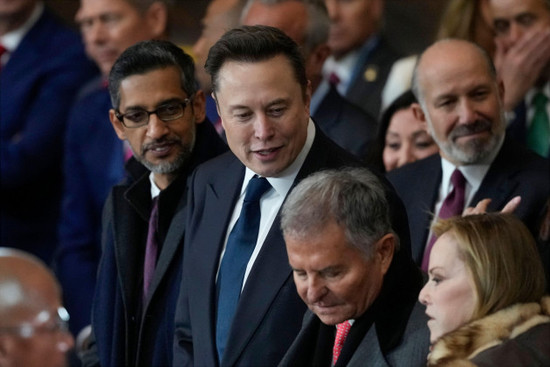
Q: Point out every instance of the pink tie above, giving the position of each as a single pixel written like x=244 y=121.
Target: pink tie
x=342 y=331
x=453 y=205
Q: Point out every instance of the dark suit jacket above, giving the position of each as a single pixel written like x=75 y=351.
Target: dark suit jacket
x=269 y=315
x=515 y=171
x=392 y=332
x=517 y=129
x=346 y=124
x=37 y=88
x=93 y=164
x=366 y=93
x=125 y=330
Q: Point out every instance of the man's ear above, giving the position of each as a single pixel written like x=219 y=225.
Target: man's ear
x=117 y=125
x=419 y=115
x=199 y=106
x=384 y=250
x=156 y=17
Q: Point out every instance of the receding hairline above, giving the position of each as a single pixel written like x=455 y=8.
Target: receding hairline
x=445 y=46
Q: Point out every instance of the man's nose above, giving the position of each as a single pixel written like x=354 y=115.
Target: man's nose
x=263 y=127
x=156 y=128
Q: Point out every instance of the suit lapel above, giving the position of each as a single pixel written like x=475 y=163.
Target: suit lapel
x=128 y=244
x=219 y=198
x=369 y=350
x=170 y=246
x=499 y=182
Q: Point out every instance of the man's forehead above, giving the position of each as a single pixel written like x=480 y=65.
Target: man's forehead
x=98 y=8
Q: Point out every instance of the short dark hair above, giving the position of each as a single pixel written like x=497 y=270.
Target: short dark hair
x=147 y=56
x=254 y=44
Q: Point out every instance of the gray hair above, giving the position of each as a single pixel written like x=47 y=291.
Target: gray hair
x=352 y=197
x=318 y=22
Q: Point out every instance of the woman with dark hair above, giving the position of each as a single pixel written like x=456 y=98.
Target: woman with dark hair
x=402 y=138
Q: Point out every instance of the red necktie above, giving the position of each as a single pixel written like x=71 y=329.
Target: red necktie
x=453 y=205
x=3 y=50
x=334 y=79
x=342 y=331
x=151 y=249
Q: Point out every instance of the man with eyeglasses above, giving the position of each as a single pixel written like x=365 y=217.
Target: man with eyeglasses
x=94 y=157
x=33 y=323
x=159 y=111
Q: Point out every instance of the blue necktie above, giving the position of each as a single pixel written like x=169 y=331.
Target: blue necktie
x=240 y=244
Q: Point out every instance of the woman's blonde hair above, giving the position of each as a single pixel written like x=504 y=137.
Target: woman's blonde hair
x=501 y=256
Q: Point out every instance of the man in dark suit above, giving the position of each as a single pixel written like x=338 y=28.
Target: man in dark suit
x=307 y=23
x=522 y=58
x=461 y=103
x=94 y=157
x=262 y=94
x=361 y=57
x=350 y=272
x=159 y=111
x=41 y=68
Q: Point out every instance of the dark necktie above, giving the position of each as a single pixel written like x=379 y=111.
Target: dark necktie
x=151 y=248
x=240 y=244
x=342 y=331
x=538 y=135
x=453 y=205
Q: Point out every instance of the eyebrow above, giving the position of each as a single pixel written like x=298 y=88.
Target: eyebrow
x=161 y=103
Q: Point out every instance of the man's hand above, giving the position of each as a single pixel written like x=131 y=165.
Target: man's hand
x=521 y=64
x=481 y=207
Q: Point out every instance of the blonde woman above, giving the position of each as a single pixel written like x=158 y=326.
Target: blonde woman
x=485 y=292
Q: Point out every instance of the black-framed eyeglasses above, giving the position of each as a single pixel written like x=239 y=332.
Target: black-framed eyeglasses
x=44 y=322
x=139 y=117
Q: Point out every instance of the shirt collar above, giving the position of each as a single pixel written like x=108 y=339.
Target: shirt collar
x=12 y=39
x=155 y=191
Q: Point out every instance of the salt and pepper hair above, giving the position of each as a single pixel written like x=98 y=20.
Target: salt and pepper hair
x=318 y=21
x=353 y=198
x=500 y=254
x=147 y=56
x=415 y=85
x=251 y=44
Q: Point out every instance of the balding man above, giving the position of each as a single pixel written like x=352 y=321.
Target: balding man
x=33 y=323
x=461 y=104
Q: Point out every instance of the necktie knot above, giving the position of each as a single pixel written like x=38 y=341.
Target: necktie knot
x=342 y=331
x=457 y=179
x=256 y=188
x=334 y=79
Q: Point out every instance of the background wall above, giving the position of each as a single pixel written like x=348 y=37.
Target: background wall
x=410 y=24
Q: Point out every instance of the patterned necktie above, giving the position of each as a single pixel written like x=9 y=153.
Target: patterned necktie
x=453 y=205
x=240 y=244
x=342 y=331
x=151 y=248
x=538 y=135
